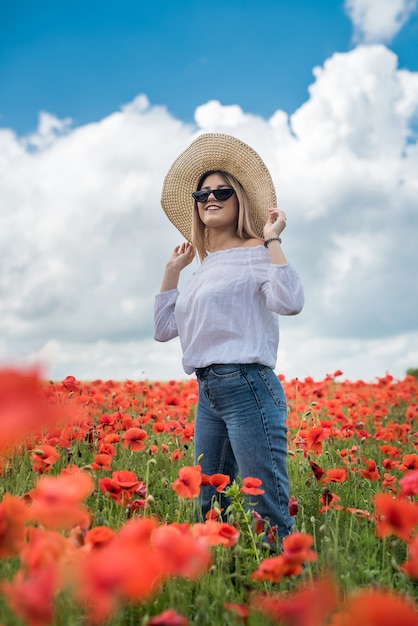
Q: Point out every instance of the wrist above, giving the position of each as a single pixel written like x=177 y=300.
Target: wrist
x=268 y=240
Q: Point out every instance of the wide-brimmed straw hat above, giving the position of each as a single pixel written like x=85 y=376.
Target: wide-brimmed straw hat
x=216 y=151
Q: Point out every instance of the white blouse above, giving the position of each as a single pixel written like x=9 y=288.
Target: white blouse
x=227 y=312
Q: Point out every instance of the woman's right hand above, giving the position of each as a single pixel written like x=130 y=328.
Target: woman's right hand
x=181 y=256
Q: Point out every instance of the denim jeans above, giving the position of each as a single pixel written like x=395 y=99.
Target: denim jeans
x=241 y=430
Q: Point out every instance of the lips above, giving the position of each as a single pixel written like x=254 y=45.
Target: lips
x=213 y=207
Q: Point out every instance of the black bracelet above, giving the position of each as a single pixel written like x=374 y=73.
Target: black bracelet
x=266 y=243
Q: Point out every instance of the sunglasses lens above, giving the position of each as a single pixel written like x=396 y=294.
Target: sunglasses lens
x=201 y=196
x=223 y=194
x=220 y=194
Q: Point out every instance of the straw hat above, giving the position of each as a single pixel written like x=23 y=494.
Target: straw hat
x=209 y=152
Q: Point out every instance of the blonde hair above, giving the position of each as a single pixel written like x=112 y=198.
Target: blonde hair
x=245 y=226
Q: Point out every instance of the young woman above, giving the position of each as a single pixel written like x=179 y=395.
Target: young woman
x=221 y=197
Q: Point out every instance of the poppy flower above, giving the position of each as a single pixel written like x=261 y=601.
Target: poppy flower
x=188 y=483
x=32 y=598
x=293 y=506
x=274 y=569
x=43 y=458
x=317 y=470
x=216 y=533
x=310 y=605
x=71 y=384
x=297 y=548
x=335 y=475
x=179 y=553
x=395 y=516
x=251 y=486
x=314 y=438
x=241 y=610
x=371 y=472
x=410 y=567
x=176 y=455
x=168 y=618
x=376 y=608
x=98 y=537
x=13 y=516
x=219 y=481
x=409 y=484
x=24 y=407
x=102 y=462
x=56 y=500
x=330 y=501
x=133 y=438
x=409 y=463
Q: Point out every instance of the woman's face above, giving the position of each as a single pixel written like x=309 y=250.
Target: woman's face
x=218 y=213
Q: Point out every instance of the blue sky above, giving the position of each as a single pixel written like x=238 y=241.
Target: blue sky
x=97 y=99
x=85 y=58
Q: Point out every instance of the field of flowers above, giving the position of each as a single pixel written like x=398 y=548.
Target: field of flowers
x=99 y=522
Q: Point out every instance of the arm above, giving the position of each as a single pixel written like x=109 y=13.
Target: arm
x=165 y=327
x=283 y=291
x=276 y=223
x=182 y=256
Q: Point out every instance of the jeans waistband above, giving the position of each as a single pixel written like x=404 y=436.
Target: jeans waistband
x=202 y=372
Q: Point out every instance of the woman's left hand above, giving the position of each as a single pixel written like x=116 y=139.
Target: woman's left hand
x=276 y=223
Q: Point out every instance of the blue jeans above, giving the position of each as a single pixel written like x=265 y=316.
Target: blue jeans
x=241 y=429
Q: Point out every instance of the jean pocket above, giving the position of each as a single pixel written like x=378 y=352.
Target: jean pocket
x=225 y=370
x=274 y=386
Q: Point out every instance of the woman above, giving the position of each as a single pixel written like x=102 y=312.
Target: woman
x=221 y=197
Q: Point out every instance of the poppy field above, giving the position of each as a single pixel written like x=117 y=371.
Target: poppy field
x=100 y=524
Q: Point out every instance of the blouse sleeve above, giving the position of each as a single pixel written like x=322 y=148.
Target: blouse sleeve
x=165 y=327
x=283 y=290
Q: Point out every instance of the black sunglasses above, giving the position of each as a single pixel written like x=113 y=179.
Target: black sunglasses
x=220 y=194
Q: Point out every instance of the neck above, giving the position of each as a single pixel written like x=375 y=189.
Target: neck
x=222 y=240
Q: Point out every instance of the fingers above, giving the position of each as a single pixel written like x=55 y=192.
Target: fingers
x=276 y=214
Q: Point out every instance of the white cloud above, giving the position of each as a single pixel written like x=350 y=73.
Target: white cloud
x=83 y=239
x=378 y=21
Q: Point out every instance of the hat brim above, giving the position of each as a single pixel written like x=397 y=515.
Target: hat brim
x=215 y=151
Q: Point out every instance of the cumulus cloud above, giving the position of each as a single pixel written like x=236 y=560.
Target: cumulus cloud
x=378 y=21
x=84 y=240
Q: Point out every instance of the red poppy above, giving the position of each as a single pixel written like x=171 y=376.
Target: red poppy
x=133 y=438
x=219 y=481
x=102 y=462
x=409 y=463
x=32 y=598
x=98 y=537
x=251 y=486
x=371 y=472
x=216 y=533
x=376 y=608
x=240 y=610
x=310 y=605
x=317 y=470
x=72 y=384
x=188 y=483
x=43 y=458
x=179 y=552
x=293 y=506
x=56 y=500
x=13 y=516
x=297 y=548
x=409 y=484
x=24 y=408
x=314 y=438
x=330 y=501
x=335 y=475
x=395 y=516
x=168 y=618
x=410 y=566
